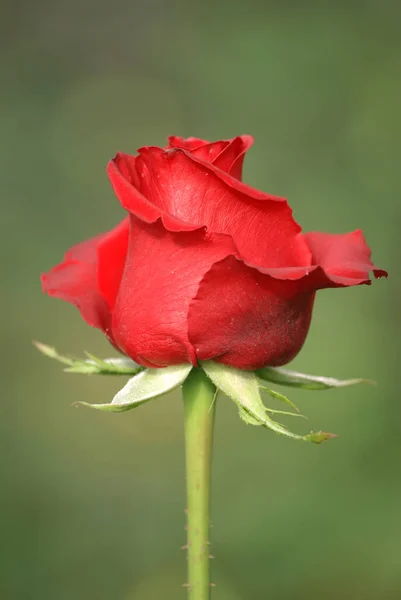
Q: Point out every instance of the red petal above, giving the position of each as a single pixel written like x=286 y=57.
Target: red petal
x=232 y=157
x=196 y=192
x=204 y=150
x=161 y=277
x=112 y=253
x=190 y=144
x=344 y=258
x=227 y=155
x=126 y=182
x=246 y=319
x=90 y=274
x=75 y=281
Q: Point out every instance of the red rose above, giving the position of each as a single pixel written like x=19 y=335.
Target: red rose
x=204 y=266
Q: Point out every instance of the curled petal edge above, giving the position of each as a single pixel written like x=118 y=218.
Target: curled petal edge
x=135 y=203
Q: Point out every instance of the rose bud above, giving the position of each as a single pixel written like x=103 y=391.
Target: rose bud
x=204 y=266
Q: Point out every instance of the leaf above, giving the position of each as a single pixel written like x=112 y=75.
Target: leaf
x=92 y=365
x=243 y=388
x=143 y=387
x=282 y=376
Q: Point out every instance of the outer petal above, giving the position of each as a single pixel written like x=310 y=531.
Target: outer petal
x=344 y=259
x=111 y=255
x=196 y=192
x=246 y=319
x=161 y=277
x=339 y=260
x=249 y=317
x=89 y=276
x=75 y=282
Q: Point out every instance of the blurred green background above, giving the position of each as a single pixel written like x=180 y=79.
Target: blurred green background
x=92 y=504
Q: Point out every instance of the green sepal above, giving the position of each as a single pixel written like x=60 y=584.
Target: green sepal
x=143 y=387
x=282 y=376
x=243 y=388
x=285 y=412
x=92 y=365
x=279 y=396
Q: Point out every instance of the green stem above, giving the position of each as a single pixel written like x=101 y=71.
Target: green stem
x=199 y=410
